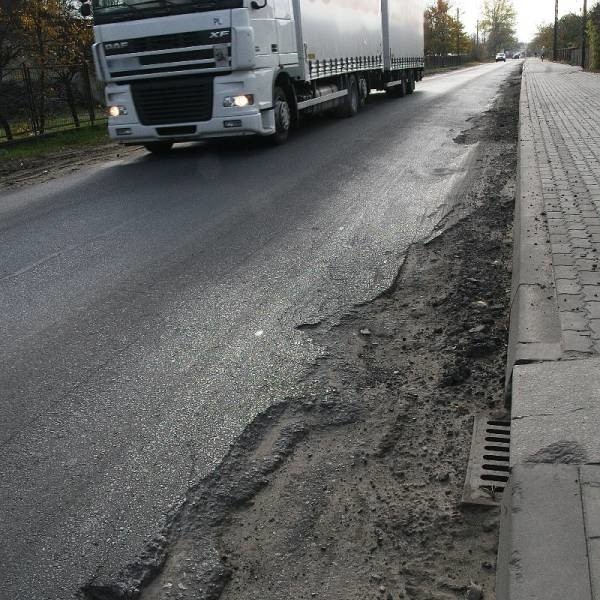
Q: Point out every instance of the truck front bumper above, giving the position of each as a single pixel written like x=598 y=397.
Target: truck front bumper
x=257 y=119
x=260 y=123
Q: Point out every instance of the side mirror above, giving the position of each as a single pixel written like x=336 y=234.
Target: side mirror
x=256 y=6
x=85 y=9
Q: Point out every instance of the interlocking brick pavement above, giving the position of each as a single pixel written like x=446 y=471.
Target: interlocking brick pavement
x=564 y=108
x=551 y=511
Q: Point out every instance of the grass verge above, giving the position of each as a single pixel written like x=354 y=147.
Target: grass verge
x=53 y=143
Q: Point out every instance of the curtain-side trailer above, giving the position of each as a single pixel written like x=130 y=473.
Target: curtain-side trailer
x=181 y=70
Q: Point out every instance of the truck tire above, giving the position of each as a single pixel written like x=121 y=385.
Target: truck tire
x=410 y=84
x=158 y=147
x=283 y=117
x=351 y=102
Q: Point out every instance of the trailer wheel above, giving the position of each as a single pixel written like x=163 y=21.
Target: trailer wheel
x=283 y=117
x=158 y=147
x=351 y=102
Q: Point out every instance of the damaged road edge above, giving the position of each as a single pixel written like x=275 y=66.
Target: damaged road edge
x=356 y=483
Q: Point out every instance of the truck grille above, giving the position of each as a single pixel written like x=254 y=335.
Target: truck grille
x=173 y=100
x=171 y=57
x=166 y=42
x=165 y=55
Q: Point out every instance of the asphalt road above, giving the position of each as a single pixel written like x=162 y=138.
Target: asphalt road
x=149 y=310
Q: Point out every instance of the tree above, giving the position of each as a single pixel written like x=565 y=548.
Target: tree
x=53 y=32
x=569 y=34
x=49 y=42
x=594 y=35
x=461 y=42
x=544 y=38
x=11 y=33
x=438 y=28
x=444 y=34
x=56 y=41
x=499 y=20
x=10 y=49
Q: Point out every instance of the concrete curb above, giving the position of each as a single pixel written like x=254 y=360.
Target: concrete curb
x=535 y=332
x=543 y=551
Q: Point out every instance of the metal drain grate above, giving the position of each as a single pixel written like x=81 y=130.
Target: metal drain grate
x=489 y=462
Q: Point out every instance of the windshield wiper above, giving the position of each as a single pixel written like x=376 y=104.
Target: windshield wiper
x=170 y=3
x=160 y=7
x=137 y=6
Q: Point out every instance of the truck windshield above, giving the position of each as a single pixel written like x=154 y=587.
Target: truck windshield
x=111 y=11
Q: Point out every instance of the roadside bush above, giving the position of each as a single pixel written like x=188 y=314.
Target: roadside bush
x=594 y=35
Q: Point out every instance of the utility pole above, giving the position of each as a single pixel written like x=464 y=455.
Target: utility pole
x=458 y=32
x=555 y=50
x=584 y=36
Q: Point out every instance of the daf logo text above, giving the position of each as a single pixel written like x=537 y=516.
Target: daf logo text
x=115 y=45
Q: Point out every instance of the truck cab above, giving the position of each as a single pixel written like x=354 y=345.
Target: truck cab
x=190 y=68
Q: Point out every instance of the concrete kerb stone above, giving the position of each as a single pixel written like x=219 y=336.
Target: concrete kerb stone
x=556 y=412
x=543 y=551
x=590 y=485
x=535 y=332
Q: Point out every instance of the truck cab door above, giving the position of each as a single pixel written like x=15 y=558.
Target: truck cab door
x=286 y=32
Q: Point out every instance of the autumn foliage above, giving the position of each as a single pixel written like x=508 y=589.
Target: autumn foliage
x=49 y=38
x=43 y=32
x=444 y=33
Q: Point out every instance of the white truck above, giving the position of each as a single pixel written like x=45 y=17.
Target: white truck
x=183 y=70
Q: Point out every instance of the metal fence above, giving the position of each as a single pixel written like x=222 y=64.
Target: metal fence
x=440 y=61
x=572 y=56
x=38 y=100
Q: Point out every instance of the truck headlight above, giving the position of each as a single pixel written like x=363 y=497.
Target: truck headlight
x=116 y=111
x=238 y=101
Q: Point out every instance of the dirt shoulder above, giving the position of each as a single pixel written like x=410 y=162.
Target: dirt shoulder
x=351 y=490
x=55 y=161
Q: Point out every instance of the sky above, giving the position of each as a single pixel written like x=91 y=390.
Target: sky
x=530 y=13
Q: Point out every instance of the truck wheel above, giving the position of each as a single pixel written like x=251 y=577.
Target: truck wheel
x=158 y=147
x=351 y=102
x=283 y=117
x=410 y=84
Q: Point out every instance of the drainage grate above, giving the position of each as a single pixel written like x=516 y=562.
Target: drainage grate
x=489 y=462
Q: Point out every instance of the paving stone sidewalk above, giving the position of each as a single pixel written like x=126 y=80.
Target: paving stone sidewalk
x=564 y=111
x=550 y=526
